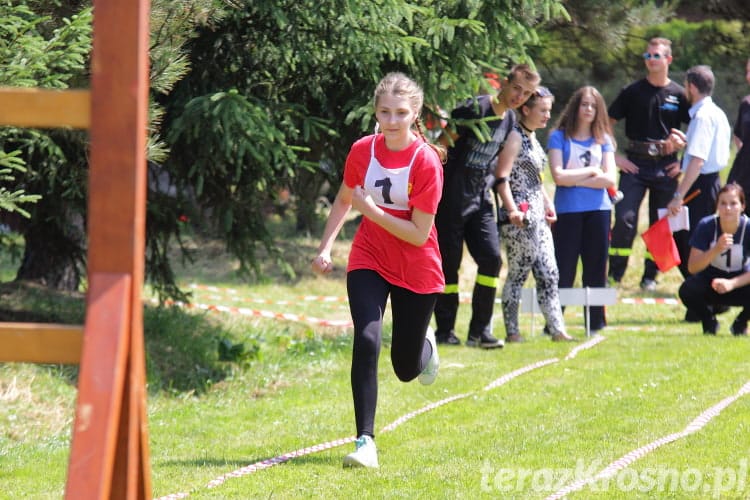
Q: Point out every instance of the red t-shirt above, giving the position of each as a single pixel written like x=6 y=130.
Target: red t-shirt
x=416 y=268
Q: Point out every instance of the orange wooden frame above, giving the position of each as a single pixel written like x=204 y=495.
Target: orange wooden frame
x=43 y=108
x=109 y=455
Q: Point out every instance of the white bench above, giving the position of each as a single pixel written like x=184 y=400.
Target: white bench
x=570 y=297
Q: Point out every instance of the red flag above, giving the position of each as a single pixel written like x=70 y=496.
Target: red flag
x=661 y=245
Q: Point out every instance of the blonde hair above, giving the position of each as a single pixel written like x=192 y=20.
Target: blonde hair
x=399 y=85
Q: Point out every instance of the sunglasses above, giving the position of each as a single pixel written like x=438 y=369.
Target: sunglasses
x=655 y=56
x=542 y=92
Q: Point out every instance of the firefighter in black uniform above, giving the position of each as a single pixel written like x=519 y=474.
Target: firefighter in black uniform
x=651 y=107
x=466 y=212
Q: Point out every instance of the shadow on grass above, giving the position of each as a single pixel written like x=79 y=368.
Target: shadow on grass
x=186 y=351
x=181 y=348
x=28 y=302
x=221 y=462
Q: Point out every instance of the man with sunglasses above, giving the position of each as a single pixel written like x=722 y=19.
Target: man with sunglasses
x=653 y=108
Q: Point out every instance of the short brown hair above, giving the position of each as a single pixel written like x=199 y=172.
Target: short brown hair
x=526 y=72
x=702 y=77
x=728 y=188
x=664 y=42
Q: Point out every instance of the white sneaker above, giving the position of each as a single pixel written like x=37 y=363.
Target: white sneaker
x=429 y=374
x=366 y=454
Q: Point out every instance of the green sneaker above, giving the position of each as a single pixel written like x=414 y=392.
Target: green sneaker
x=366 y=454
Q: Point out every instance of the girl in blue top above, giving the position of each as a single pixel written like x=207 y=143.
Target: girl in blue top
x=582 y=162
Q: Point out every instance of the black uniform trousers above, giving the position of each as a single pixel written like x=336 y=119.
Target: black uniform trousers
x=661 y=188
x=479 y=230
x=702 y=205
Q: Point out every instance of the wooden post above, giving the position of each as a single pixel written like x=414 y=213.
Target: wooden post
x=110 y=459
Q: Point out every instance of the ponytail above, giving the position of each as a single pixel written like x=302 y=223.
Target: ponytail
x=438 y=148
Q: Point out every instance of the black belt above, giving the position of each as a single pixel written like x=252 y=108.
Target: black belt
x=657 y=161
x=647 y=149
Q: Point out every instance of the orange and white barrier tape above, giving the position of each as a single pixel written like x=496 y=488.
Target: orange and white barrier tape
x=263 y=314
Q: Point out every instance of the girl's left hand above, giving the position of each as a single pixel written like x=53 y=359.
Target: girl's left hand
x=722 y=285
x=550 y=215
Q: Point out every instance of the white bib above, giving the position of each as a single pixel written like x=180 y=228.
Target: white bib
x=730 y=260
x=388 y=187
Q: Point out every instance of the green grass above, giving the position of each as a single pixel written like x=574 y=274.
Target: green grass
x=284 y=386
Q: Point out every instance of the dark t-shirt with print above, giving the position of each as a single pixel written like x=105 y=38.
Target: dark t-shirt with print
x=650 y=112
x=740 y=172
x=469 y=170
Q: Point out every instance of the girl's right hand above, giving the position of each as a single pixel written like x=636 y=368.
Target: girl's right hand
x=726 y=240
x=322 y=264
x=628 y=166
x=516 y=217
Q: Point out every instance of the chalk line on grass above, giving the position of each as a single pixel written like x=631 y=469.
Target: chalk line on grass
x=626 y=460
x=424 y=409
x=515 y=373
x=264 y=464
x=174 y=496
x=586 y=345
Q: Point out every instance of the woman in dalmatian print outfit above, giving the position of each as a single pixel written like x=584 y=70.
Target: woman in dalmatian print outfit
x=529 y=213
x=394 y=179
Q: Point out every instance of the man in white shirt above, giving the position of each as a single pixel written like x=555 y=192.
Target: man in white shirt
x=706 y=153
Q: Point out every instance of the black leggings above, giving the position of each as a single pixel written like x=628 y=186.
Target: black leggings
x=368 y=293
x=697 y=294
x=585 y=235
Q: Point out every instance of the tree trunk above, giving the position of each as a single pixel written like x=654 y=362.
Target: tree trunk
x=53 y=257
x=308 y=189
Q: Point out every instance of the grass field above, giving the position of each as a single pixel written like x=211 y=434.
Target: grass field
x=244 y=406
